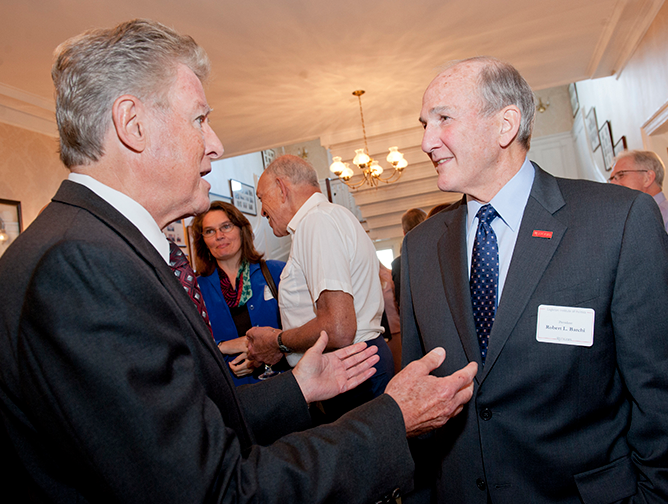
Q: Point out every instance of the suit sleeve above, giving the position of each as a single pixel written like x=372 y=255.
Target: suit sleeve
x=640 y=324
x=112 y=376
x=411 y=343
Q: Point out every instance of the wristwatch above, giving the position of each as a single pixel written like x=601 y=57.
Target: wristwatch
x=281 y=346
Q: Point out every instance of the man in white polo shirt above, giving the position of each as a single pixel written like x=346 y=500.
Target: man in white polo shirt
x=330 y=282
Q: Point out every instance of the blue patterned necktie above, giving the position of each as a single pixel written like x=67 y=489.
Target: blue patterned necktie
x=484 y=276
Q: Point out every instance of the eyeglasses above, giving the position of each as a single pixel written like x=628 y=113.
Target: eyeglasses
x=225 y=228
x=620 y=175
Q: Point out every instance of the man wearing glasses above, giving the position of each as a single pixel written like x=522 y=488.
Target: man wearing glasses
x=642 y=171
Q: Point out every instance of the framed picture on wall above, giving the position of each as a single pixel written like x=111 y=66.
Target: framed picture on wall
x=219 y=197
x=573 y=93
x=267 y=157
x=620 y=146
x=176 y=232
x=11 y=223
x=592 y=129
x=605 y=135
x=243 y=197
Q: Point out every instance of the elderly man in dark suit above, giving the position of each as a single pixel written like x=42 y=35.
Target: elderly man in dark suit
x=557 y=289
x=111 y=387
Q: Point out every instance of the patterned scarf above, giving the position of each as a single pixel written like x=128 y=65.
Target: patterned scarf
x=242 y=293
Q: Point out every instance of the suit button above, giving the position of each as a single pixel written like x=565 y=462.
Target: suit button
x=486 y=414
x=396 y=494
x=481 y=484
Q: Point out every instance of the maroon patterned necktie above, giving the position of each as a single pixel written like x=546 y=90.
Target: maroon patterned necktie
x=186 y=276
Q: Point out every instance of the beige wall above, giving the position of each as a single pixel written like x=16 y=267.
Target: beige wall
x=640 y=91
x=558 y=118
x=30 y=169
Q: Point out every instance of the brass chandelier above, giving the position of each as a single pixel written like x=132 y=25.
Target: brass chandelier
x=371 y=170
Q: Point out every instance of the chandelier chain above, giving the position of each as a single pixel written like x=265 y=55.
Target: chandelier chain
x=359 y=98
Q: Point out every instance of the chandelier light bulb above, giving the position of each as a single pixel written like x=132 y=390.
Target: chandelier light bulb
x=361 y=158
x=394 y=156
x=376 y=169
x=347 y=172
x=337 y=166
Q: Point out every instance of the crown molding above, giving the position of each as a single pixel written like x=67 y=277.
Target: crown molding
x=26 y=110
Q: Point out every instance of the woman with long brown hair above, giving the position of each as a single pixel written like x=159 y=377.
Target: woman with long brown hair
x=233 y=284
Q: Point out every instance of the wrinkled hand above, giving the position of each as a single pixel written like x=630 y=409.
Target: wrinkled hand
x=243 y=366
x=322 y=376
x=427 y=401
x=262 y=345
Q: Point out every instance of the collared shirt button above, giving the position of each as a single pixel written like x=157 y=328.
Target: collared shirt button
x=486 y=414
x=480 y=483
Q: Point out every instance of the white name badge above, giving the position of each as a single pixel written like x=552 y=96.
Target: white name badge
x=267 y=293
x=565 y=325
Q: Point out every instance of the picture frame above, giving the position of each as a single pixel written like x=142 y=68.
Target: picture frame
x=243 y=197
x=267 y=157
x=177 y=232
x=592 y=129
x=219 y=197
x=575 y=102
x=607 y=148
x=620 y=146
x=11 y=223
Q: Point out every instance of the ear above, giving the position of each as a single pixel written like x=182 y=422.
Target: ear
x=284 y=189
x=510 y=125
x=128 y=114
x=650 y=176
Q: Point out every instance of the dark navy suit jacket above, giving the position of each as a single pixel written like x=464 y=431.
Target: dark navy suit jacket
x=112 y=389
x=551 y=422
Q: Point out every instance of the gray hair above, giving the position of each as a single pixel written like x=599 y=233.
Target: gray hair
x=92 y=70
x=294 y=169
x=500 y=85
x=646 y=160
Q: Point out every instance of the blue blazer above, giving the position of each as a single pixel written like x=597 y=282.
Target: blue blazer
x=262 y=312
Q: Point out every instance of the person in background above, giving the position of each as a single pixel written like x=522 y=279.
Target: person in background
x=643 y=171
x=409 y=220
x=233 y=284
x=434 y=210
x=391 y=320
x=331 y=280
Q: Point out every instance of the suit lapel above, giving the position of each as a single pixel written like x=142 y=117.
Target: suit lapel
x=531 y=256
x=454 y=263
x=75 y=194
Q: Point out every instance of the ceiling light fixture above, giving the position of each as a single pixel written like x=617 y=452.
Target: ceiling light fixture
x=371 y=170
x=542 y=107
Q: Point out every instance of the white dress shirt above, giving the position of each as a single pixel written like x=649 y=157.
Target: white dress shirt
x=330 y=251
x=130 y=209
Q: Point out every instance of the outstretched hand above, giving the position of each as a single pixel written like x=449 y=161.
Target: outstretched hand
x=321 y=375
x=427 y=401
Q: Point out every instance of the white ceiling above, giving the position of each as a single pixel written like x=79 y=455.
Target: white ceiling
x=284 y=70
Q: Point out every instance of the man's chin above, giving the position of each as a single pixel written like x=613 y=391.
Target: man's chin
x=279 y=233
x=202 y=203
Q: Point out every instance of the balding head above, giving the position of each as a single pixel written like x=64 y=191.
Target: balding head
x=283 y=188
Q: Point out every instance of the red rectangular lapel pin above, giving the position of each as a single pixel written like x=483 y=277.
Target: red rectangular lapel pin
x=537 y=233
